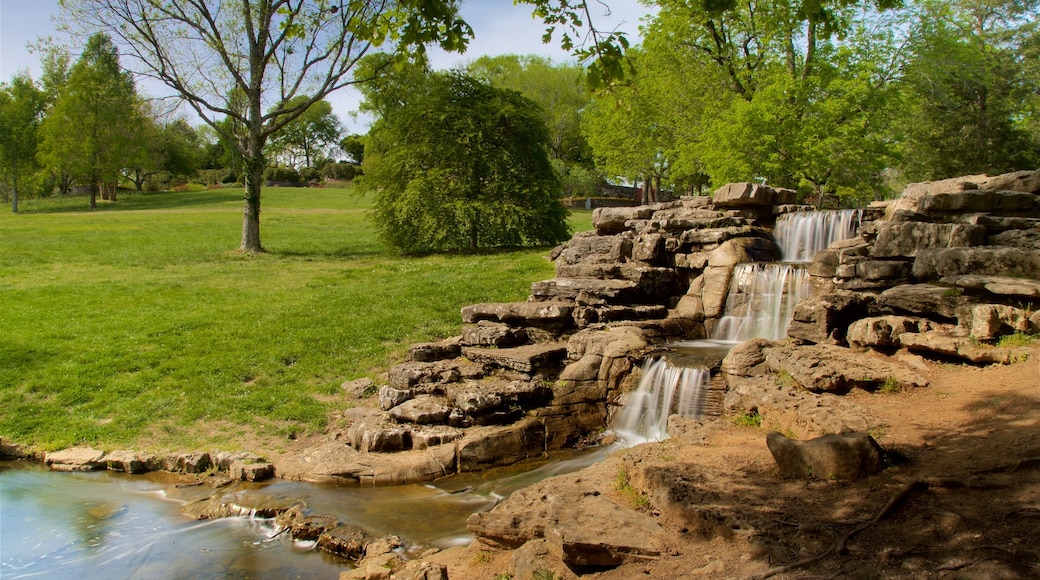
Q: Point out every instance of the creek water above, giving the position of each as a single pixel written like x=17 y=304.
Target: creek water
x=111 y=525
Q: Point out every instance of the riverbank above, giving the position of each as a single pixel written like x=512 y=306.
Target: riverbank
x=963 y=499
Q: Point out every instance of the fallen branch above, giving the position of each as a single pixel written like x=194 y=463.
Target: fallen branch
x=839 y=546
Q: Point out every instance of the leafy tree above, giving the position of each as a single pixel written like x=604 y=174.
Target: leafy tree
x=91 y=130
x=354 y=147
x=309 y=136
x=266 y=53
x=971 y=91
x=21 y=109
x=784 y=91
x=459 y=164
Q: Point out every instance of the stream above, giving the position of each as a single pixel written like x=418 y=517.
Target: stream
x=112 y=525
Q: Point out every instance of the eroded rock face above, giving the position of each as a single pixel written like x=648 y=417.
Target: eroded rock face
x=833 y=369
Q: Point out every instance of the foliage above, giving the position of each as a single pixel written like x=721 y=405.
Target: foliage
x=891 y=385
x=95 y=126
x=21 y=109
x=457 y=164
x=180 y=372
x=354 y=147
x=749 y=418
x=1017 y=339
x=971 y=89
x=636 y=498
x=307 y=137
x=281 y=174
x=231 y=61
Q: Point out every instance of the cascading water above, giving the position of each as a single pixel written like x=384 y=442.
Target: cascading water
x=760 y=304
x=801 y=235
x=761 y=301
x=664 y=390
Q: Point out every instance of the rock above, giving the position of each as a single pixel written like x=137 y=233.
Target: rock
x=742 y=195
x=535 y=560
x=359 y=388
x=1016 y=288
x=833 y=369
x=538 y=314
x=525 y=359
x=434 y=351
x=740 y=250
x=927 y=300
x=850 y=456
x=344 y=540
x=132 y=462
x=1000 y=202
x=421 y=570
x=485 y=447
x=575 y=533
x=420 y=376
x=991 y=321
x=609 y=220
x=944 y=344
x=75 y=459
x=826 y=318
x=884 y=331
x=592 y=291
x=908 y=239
x=932 y=264
x=747 y=359
x=793 y=409
x=10 y=450
x=496 y=334
x=424 y=410
x=389 y=397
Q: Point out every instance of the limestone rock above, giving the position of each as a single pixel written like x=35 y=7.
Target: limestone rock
x=614 y=219
x=525 y=359
x=421 y=570
x=742 y=195
x=794 y=409
x=978 y=201
x=132 y=462
x=826 y=318
x=75 y=459
x=434 y=351
x=425 y=410
x=884 y=331
x=747 y=359
x=928 y=300
x=835 y=369
x=586 y=291
x=576 y=534
x=359 y=388
x=344 y=540
x=535 y=560
x=485 y=447
x=740 y=250
x=850 y=456
x=909 y=239
x=538 y=314
x=945 y=344
x=932 y=264
x=991 y=321
x=389 y=397
x=487 y=333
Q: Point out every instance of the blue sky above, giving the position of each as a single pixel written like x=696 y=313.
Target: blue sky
x=500 y=28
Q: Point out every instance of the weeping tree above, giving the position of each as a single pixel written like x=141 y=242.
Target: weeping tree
x=246 y=61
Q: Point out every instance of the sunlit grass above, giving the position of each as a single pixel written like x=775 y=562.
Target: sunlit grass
x=138 y=324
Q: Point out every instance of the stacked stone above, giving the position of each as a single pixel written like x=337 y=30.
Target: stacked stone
x=951 y=264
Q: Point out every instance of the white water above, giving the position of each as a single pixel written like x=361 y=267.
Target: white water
x=761 y=301
x=664 y=390
x=760 y=304
x=801 y=235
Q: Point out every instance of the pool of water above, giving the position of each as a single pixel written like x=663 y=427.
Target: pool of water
x=112 y=525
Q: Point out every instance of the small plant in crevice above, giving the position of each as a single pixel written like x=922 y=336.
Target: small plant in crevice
x=784 y=379
x=749 y=418
x=890 y=385
x=1017 y=339
x=635 y=497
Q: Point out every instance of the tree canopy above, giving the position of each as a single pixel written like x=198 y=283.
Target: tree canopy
x=458 y=164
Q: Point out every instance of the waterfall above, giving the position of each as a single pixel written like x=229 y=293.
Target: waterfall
x=760 y=304
x=664 y=390
x=801 y=235
x=761 y=301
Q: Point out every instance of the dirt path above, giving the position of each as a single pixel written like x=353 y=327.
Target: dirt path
x=962 y=502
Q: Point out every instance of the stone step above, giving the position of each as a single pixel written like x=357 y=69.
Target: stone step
x=587 y=291
x=524 y=359
x=542 y=314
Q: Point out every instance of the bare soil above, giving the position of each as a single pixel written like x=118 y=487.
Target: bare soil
x=962 y=499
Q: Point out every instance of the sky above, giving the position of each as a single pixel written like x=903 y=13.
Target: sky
x=499 y=27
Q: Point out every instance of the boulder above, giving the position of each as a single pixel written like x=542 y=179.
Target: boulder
x=744 y=195
x=609 y=220
x=747 y=359
x=942 y=343
x=826 y=318
x=991 y=321
x=587 y=291
x=927 y=300
x=1000 y=202
x=496 y=334
x=484 y=447
x=424 y=410
x=740 y=250
x=132 y=462
x=434 y=351
x=344 y=540
x=524 y=359
x=884 y=331
x=575 y=533
x=849 y=456
x=389 y=397
x=535 y=560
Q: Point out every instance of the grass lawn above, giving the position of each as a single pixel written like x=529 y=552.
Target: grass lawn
x=138 y=325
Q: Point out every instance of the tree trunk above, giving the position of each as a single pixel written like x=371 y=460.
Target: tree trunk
x=93 y=194
x=251 y=213
x=14 y=188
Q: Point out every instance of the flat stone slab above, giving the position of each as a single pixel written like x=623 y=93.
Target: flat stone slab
x=998 y=285
x=532 y=313
x=524 y=359
x=596 y=532
x=942 y=343
x=75 y=459
x=587 y=290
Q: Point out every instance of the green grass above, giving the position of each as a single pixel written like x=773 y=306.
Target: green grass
x=138 y=324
